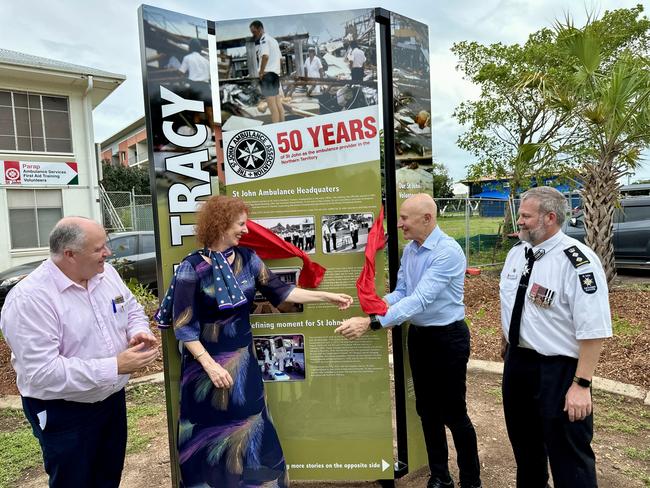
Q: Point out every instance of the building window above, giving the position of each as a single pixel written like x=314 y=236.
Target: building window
x=31 y=122
x=32 y=216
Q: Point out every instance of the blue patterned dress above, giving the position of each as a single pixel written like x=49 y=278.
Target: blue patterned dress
x=225 y=436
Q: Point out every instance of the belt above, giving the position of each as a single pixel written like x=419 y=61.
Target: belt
x=533 y=354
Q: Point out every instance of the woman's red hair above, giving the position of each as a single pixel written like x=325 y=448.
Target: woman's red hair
x=215 y=216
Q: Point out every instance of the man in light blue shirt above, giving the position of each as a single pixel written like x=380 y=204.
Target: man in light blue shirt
x=429 y=294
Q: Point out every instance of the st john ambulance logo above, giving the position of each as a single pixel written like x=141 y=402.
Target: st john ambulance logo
x=250 y=154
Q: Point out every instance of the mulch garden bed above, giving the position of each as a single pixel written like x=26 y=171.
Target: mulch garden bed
x=625 y=357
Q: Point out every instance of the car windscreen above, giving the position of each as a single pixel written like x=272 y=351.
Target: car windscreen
x=147 y=243
x=124 y=246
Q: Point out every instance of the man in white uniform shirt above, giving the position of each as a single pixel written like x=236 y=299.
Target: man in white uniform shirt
x=555 y=316
x=269 y=69
x=313 y=69
x=194 y=65
x=356 y=58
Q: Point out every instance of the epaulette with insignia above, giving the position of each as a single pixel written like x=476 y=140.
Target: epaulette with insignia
x=576 y=256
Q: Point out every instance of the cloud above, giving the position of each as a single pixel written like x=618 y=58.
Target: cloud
x=104 y=35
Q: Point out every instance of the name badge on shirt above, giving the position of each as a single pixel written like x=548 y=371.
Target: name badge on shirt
x=118 y=299
x=541 y=296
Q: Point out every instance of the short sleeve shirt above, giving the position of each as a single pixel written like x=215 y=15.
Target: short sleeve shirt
x=567 y=298
x=268 y=46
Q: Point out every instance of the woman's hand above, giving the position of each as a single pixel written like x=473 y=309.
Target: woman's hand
x=300 y=295
x=218 y=374
x=341 y=299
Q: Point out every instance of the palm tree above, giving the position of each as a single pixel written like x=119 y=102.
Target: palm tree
x=609 y=98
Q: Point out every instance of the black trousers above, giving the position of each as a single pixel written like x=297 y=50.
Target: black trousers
x=438 y=357
x=356 y=75
x=534 y=389
x=83 y=444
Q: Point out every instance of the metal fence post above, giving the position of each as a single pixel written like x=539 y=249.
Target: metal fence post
x=467 y=241
x=134 y=222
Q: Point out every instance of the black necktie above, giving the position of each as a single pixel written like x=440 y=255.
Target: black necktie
x=515 y=320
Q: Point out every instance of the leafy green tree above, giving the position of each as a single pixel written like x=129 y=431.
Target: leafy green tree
x=608 y=99
x=442 y=182
x=570 y=101
x=124 y=178
x=512 y=131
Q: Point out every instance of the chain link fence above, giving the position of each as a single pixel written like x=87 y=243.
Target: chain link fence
x=485 y=228
x=480 y=226
x=126 y=211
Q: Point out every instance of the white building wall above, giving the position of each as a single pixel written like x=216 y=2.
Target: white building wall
x=81 y=199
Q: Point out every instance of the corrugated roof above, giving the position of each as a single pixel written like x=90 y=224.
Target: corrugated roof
x=30 y=61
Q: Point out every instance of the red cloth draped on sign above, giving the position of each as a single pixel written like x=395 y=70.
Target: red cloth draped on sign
x=368 y=299
x=268 y=245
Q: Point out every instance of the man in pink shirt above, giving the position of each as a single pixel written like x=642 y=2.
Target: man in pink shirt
x=76 y=333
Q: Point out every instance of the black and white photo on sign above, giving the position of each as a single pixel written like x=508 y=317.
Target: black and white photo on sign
x=411 y=89
x=178 y=67
x=281 y=357
x=262 y=306
x=273 y=69
x=345 y=232
x=299 y=231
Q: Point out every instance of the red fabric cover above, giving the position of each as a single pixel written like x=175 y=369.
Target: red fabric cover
x=368 y=299
x=268 y=245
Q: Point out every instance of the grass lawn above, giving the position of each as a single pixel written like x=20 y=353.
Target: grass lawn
x=20 y=449
x=483 y=235
x=455 y=226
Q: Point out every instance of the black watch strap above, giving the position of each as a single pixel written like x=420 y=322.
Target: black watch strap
x=374 y=322
x=585 y=383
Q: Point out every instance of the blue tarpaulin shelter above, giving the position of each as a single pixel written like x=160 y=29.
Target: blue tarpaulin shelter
x=497 y=195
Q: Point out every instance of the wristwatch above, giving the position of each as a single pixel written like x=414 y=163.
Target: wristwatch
x=585 y=383
x=374 y=322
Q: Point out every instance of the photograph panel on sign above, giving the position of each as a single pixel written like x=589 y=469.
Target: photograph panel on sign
x=178 y=73
x=261 y=305
x=411 y=89
x=299 y=231
x=342 y=233
x=281 y=357
x=273 y=69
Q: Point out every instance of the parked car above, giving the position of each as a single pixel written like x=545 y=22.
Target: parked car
x=631 y=232
x=134 y=256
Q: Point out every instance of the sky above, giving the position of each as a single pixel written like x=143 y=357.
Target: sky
x=104 y=35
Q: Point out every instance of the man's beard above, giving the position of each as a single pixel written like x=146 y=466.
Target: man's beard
x=533 y=236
